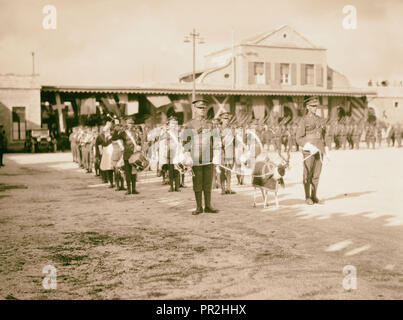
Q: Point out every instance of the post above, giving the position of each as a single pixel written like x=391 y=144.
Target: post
x=194 y=65
x=233 y=61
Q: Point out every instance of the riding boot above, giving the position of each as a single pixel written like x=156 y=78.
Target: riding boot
x=134 y=178
x=177 y=181
x=128 y=183
x=110 y=178
x=199 y=207
x=207 y=203
x=313 y=194
x=307 y=188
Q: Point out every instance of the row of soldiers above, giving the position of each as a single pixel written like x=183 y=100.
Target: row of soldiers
x=337 y=134
x=108 y=149
x=113 y=151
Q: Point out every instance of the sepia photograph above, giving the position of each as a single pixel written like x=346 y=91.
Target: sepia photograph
x=177 y=150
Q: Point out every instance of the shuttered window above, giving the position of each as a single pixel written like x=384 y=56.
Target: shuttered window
x=309 y=74
x=319 y=75
x=285 y=76
x=251 y=73
x=268 y=72
x=293 y=74
x=277 y=72
x=303 y=74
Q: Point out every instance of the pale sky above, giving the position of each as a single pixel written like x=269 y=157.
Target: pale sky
x=123 y=42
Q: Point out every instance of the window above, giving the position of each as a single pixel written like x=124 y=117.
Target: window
x=259 y=72
x=309 y=74
x=396 y=104
x=285 y=73
x=19 y=123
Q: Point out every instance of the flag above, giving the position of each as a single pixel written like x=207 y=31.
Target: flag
x=358 y=108
x=88 y=106
x=111 y=105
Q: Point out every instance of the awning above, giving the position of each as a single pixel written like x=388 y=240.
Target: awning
x=156 y=92
x=159 y=101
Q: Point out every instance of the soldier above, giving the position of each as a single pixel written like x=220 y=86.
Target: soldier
x=117 y=156
x=370 y=136
x=356 y=136
x=293 y=142
x=204 y=149
x=349 y=134
x=240 y=135
x=72 y=140
x=329 y=135
x=390 y=137
x=276 y=137
x=86 y=147
x=173 y=149
x=2 y=145
x=131 y=145
x=310 y=137
x=216 y=171
x=100 y=139
x=182 y=176
x=398 y=134
x=342 y=134
x=107 y=149
x=227 y=154
x=379 y=135
x=285 y=136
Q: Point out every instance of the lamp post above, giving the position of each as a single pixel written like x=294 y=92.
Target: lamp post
x=195 y=36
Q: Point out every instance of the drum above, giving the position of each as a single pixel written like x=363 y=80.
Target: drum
x=139 y=161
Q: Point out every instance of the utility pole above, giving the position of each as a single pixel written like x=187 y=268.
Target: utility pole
x=195 y=36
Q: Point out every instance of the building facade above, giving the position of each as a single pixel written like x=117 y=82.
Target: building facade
x=388 y=104
x=265 y=76
x=20 y=101
x=284 y=67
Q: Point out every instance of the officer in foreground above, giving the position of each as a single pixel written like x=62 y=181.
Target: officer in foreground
x=310 y=135
x=205 y=152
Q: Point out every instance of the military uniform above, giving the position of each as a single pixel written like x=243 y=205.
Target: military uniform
x=227 y=156
x=293 y=140
x=202 y=147
x=349 y=135
x=276 y=137
x=357 y=132
x=72 y=139
x=173 y=149
x=370 y=136
x=131 y=144
x=379 y=135
x=2 y=144
x=398 y=135
x=285 y=137
x=310 y=130
x=342 y=135
x=329 y=135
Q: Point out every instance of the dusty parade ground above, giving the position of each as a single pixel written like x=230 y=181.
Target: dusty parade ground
x=106 y=245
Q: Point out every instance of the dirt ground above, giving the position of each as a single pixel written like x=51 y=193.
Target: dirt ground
x=106 y=245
